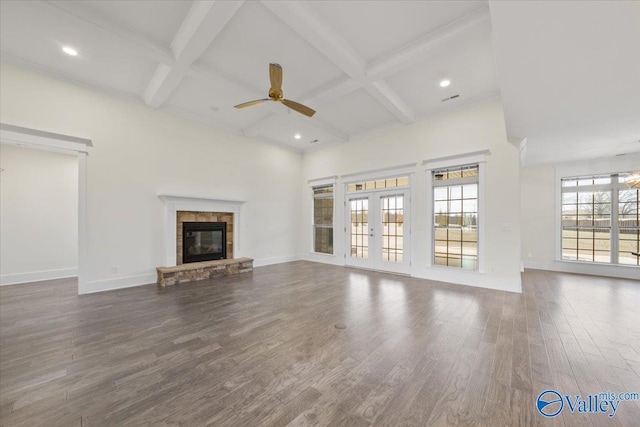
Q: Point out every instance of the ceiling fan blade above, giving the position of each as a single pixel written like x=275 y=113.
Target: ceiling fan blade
x=250 y=103
x=302 y=109
x=275 y=74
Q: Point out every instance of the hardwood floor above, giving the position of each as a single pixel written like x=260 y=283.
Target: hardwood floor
x=262 y=349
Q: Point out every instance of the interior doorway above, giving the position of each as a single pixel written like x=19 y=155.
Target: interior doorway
x=70 y=145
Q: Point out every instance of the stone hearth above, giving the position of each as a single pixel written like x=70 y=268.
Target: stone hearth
x=194 y=271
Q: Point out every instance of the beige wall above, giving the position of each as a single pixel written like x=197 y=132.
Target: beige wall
x=38 y=215
x=465 y=131
x=139 y=153
x=540 y=214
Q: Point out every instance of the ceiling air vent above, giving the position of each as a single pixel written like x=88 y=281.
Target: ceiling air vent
x=451 y=97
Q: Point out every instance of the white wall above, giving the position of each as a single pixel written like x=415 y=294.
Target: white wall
x=38 y=215
x=465 y=131
x=540 y=214
x=139 y=153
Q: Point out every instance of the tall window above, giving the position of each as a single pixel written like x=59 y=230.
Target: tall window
x=455 y=210
x=600 y=219
x=323 y=219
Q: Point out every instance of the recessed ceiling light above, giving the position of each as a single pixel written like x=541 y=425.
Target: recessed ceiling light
x=70 y=51
x=297 y=136
x=445 y=83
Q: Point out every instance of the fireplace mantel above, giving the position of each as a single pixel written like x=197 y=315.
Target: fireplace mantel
x=173 y=204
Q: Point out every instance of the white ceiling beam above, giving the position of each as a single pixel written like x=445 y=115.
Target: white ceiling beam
x=141 y=45
x=330 y=92
x=388 y=97
x=310 y=26
x=307 y=23
x=202 y=25
x=399 y=60
x=413 y=52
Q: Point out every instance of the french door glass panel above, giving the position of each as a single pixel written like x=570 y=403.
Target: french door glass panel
x=392 y=216
x=376 y=232
x=359 y=227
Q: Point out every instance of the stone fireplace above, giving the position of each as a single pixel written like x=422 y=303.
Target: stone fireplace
x=179 y=210
x=197 y=224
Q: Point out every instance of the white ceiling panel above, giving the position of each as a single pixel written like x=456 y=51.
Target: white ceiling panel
x=376 y=28
x=356 y=113
x=159 y=25
x=419 y=85
x=215 y=100
x=103 y=61
x=253 y=39
x=284 y=127
x=569 y=75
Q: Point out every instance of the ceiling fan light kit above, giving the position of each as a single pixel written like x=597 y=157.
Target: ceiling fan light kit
x=276 y=94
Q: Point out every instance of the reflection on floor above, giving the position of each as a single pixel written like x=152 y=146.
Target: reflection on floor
x=262 y=349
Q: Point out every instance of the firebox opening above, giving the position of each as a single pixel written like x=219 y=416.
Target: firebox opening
x=204 y=241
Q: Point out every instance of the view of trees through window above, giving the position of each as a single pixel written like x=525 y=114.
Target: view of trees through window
x=600 y=220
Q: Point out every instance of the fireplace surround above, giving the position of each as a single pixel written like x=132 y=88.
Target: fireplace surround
x=179 y=209
x=204 y=241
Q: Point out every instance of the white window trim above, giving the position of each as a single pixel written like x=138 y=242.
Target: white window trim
x=614 y=187
x=378 y=174
x=604 y=166
x=477 y=157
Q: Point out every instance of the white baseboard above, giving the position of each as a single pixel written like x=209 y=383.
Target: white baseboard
x=261 y=262
x=618 y=271
x=323 y=258
x=37 y=276
x=145 y=279
x=470 y=278
x=118 y=283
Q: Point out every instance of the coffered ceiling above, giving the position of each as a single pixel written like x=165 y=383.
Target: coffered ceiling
x=362 y=65
x=568 y=72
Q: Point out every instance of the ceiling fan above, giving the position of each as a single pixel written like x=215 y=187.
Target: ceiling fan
x=275 y=94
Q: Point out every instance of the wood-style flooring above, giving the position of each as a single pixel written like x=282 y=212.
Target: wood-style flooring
x=261 y=349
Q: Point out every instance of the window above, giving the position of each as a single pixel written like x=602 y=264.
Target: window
x=628 y=226
x=600 y=219
x=323 y=219
x=455 y=210
x=401 y=181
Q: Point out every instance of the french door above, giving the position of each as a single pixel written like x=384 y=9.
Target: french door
x=378 y=230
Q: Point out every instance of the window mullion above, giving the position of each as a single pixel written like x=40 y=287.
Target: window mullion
x=615 y=227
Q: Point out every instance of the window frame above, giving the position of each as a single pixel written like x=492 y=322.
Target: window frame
x=462 y=181
x=314 y=226
x=479 y=158
x=616 y=185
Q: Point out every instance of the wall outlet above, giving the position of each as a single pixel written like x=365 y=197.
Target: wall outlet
x=114 y=269
x=529 y=255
